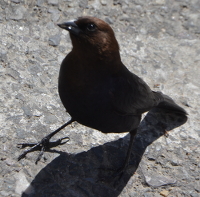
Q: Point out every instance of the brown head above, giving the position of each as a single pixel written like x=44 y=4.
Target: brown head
x=92 y=36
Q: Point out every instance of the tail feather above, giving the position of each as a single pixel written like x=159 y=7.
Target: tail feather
x=168 y=104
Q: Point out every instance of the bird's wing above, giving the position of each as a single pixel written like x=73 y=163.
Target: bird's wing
x=131 y=95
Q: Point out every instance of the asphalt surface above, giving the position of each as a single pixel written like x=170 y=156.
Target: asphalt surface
x=159 y=41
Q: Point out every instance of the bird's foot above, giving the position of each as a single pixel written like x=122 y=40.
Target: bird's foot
x=114 y=177
x=42 y=146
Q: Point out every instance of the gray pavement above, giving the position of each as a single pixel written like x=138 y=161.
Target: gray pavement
x=159 y=41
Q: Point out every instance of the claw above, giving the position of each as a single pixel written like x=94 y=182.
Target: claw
x=40 y=154
x=60 y=140
x=24 y=145
x=33 y=148
x=44 y=144
x=114 y=177
x=50 y=145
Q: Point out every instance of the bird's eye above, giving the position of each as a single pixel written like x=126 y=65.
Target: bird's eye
x=91 y=27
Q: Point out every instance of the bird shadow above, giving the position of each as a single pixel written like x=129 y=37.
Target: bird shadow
x=82 y=174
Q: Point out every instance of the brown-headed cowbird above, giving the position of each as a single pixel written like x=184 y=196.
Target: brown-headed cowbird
x=96 y=88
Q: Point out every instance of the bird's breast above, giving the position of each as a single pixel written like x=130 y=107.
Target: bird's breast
x=87 y=95
x=83 y=93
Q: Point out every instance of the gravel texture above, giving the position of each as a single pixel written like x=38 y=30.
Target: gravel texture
x=159 y=41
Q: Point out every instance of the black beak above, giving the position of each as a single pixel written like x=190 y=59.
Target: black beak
x=71 y=27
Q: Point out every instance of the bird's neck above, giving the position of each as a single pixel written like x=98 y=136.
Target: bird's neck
x=103 y=51
x=100 y=61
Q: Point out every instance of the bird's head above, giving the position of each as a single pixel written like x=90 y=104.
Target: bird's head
x=90 y=34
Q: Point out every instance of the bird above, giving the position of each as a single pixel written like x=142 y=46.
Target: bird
x=98 y=90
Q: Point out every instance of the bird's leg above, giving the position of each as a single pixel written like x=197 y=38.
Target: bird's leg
x=121 y=170
x=44 y=144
